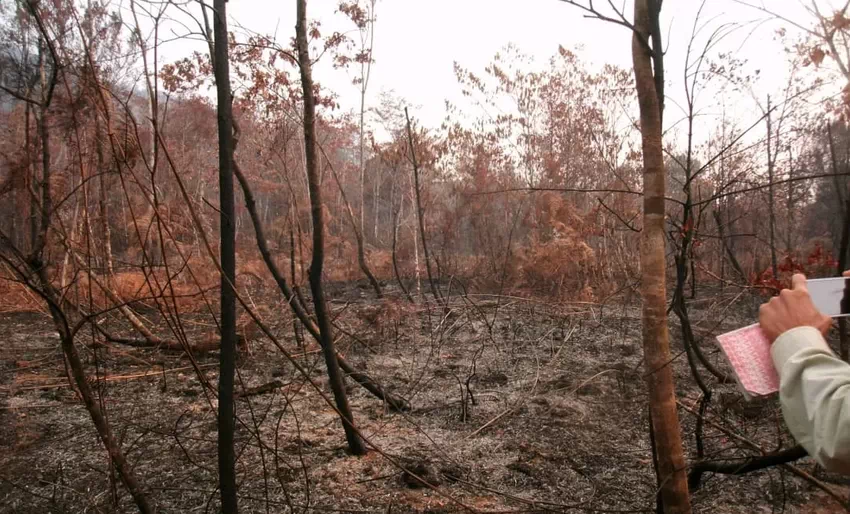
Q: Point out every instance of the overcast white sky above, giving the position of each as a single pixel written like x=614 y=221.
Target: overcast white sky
x=417 y=41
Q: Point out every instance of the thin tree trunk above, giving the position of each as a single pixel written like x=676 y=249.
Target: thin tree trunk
x=227 y=359
x=44 y=133
x=365 y=73
x=39 y=268
x=296 y=301
x=420 y=215
x=31 y=181
x=844 y=344
x=109 y=442
x=839 y=193
x=358 y=236
x=375 y=206
x=394 y=254
x=360 y=232
x=355 y=444
x=75 y=364
x=104 y=210
x=151 y=242
x=662 y=397
x=417 y=271
x=770 y=199
x=790 y=206
x=727 y=248
x=362 y=160
x=66 y=260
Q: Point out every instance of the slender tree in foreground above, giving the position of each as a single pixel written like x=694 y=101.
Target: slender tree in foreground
x=355 y=444
x=659 y=372
x=227 y=359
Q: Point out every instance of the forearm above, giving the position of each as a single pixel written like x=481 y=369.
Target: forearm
x=815 y=395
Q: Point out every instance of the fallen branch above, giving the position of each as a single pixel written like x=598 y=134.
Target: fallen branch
x=743 y=466
x=109 y=378
x=211 y=344
x=262 y=389
x=491 y=422
x=796 y=471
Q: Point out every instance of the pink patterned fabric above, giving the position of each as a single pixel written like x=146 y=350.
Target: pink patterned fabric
x=748 y=351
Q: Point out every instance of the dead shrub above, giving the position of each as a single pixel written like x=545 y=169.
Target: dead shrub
x=559 y=267
x=128 y=285
x=16 y=297
x=381 y=263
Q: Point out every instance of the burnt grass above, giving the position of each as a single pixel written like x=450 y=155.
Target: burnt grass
x=517 y=406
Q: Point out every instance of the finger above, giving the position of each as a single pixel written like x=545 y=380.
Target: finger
x=846 y=274
x=798 y=282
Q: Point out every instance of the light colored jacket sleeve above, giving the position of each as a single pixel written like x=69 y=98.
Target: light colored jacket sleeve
x=814 y=390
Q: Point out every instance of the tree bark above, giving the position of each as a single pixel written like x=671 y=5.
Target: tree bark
x=227 y=358
x=790 y=206
x=727 y=248
x=355 y=444
x=420 y=214
x=365 y=73
x=662 y=398
x=770 y=200
x=843 y=344
x=839 y=193
x=104 y=205
x=358 y=236
x=116 y=456
x=395 y=254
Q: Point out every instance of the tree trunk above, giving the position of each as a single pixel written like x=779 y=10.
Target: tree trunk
x=104 y=206
x=790 y=206
x=839 y=193
x=727 y=248
x=227 y=359
x=394 y=253
x=66 y=260
x=296 y=300
x=362 y=160
x=32 y=180
x=844 y=344
x=662 y=398
x=151 y=245
x=375 y=207
x=417 y=270
x=420 y=215
x=844 y=347
x=358 y=236
x=39 y=269
x=116 y=456
x=770 y=199
x=365 y=73
x=355 y=444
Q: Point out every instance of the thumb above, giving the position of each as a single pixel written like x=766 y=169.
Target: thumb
x=798 y=282
x=846 y=274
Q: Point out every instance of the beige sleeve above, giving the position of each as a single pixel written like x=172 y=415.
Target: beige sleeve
x=814 y=390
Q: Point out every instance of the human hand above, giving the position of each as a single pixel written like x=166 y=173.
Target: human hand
x=791 y=309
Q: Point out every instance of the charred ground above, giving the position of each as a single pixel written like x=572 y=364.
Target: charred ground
x=517 y=405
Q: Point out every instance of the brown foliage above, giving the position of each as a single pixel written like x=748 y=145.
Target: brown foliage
x=16 y=297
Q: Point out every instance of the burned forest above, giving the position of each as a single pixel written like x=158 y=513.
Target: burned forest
x=244 y=268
